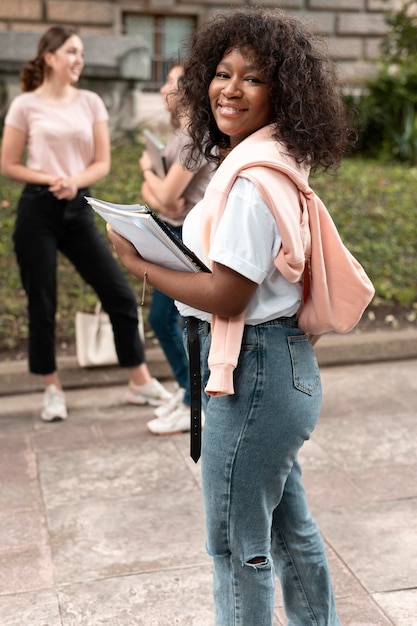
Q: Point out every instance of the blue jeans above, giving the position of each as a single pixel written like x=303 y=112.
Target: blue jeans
x=257 y=519
x=165 y=321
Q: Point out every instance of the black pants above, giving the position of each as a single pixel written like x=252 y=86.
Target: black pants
x=45 y=225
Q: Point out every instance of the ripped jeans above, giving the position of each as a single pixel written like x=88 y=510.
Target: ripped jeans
x=257 y=519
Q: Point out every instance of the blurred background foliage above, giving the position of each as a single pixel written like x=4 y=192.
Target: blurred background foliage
x=371 y=197
x=387 y=106
x=372 y=203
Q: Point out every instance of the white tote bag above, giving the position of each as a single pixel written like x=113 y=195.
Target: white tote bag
x=94 y=340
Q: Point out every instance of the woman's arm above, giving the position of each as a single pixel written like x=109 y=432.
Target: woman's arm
x=170 y=188
x=224 y=292
x=176 y=209
x=12 y=166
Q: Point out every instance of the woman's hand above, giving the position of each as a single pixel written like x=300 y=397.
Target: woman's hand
x=176 y=209
x=64 y=189
x=126 y=252
x=145 y=162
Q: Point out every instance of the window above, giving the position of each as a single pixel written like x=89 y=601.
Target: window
x=165 y=37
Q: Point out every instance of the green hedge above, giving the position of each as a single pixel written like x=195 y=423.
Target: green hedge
x=373 y=205
x=387 y=107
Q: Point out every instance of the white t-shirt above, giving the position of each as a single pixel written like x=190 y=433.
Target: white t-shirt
x=60 y=139
x=247 y=240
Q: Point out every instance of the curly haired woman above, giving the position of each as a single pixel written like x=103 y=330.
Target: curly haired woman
x=259 y=90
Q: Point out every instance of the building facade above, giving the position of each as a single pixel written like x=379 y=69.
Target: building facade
x=352 y=28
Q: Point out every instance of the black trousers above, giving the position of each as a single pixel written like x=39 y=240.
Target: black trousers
x=45 y=225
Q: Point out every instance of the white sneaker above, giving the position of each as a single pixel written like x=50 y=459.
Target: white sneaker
x=53 y=405
x=179 y=421
x=152 y=393
x=176 y=400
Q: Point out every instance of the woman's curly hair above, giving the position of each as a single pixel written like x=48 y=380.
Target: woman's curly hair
x=309 y=115
x=33 y=72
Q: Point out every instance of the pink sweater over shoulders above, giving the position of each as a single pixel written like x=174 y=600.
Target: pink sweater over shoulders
x=309 y=239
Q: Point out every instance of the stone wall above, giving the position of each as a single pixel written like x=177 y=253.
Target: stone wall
x=353 y=28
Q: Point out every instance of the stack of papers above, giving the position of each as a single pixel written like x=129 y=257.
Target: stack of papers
x=151 y=237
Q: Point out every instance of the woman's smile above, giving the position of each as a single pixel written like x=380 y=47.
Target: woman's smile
x=228 y=110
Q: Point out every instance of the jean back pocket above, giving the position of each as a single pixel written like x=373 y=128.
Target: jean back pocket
x=305 y=369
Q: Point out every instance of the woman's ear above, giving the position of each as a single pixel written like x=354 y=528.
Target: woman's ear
x=48 y=58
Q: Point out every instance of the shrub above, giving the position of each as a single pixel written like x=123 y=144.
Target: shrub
x=373 y=205
x=387 y=108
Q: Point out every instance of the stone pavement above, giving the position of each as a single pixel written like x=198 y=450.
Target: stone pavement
x=102 y=524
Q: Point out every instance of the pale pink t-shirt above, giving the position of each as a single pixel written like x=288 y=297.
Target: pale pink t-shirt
x=60 y=140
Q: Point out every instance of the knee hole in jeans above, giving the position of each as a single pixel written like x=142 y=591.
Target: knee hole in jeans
x=258 y=562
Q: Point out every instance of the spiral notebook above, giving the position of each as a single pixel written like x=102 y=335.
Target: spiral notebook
x=151 y=237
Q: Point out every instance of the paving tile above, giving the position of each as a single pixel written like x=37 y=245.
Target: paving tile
x=400 y=606
x=375 y=439
x=179 y=596
x=345 y=583
x=21 y=528
x=65 y=436
x=387 y=482
x=25 y=568
x=339 y=469
x=101 y=523
x=377 y=542
x=102 y=538
x=112 y=472
x=30 y=609
x=19 y=487
x=375 y=390
x=182 y=443
x=13 y=443
x=361 y=611
x=28 y=405
x=126 y=426
x=280 y=618
x=331 y=489
x=19 y=422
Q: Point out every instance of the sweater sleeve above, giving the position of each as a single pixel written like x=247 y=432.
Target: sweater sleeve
x=227 y=333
